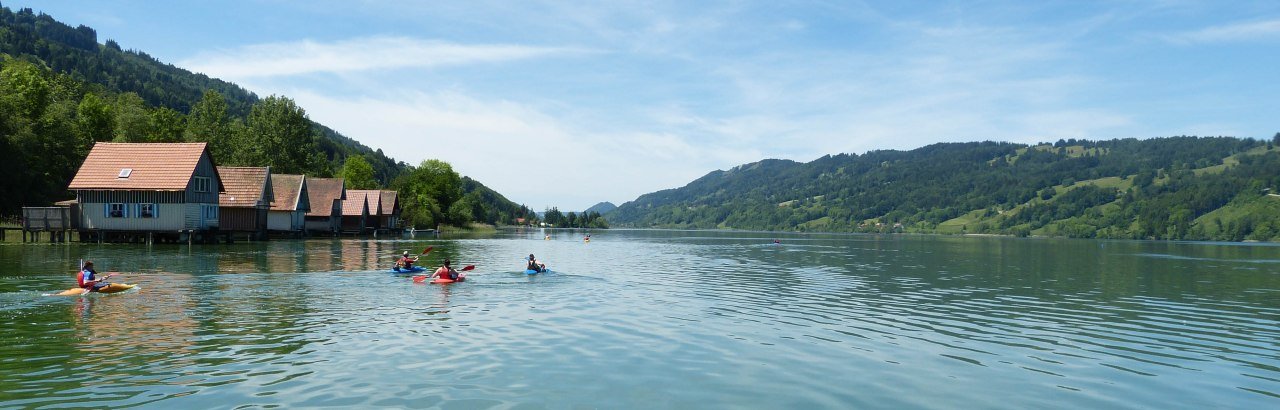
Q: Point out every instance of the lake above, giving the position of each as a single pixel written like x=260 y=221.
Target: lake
x=649 y=319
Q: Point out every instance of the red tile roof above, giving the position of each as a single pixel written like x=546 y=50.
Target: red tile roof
x=378 y=201
x=389 y=202
x=321 y=192
x=153 y=166
x=358 y=200
x=287 y=188
x=245 y=187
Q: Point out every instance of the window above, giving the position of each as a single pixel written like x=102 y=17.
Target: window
x=147 y=211
x=115 y=210
x=210 y=212
x=125 y=172
x=202 y=184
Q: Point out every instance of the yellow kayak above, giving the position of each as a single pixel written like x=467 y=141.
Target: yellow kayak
x=110 y=288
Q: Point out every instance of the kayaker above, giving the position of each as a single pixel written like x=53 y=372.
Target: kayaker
x=405 y=262
x=445 y=272
x=534 y=265
x=88 y=278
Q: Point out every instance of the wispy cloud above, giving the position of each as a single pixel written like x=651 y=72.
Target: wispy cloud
x=352 y=55
x=514 y=148
x=1241 y=31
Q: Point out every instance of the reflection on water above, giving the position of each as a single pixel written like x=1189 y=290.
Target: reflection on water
x=650 y=319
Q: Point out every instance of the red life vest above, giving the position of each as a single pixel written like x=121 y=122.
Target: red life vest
x=84 y=278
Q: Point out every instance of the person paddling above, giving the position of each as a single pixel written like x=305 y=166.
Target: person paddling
x=534 y=265
x=88 y=278
x=405 y=262
x=445 y=272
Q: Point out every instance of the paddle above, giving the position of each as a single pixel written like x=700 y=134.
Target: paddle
x=424 y=252
x=415 y=259
x=423 y=278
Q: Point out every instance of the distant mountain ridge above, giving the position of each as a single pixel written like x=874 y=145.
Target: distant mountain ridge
x=1162 y=188
x=601 y=208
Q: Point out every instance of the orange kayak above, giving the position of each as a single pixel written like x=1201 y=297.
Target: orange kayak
x=110 y=288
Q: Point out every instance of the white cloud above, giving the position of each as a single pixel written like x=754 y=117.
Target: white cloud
x=359 y=54
x=528 y=156
x=1242 y=31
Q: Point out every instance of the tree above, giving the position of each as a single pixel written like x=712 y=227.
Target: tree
x=209 y=122
x=94 y=120
x=280 y=137
x=428 y=195
x=553 y=217
x=166 y=125
x=358 y=173
x=133 y=123
x=27 y=90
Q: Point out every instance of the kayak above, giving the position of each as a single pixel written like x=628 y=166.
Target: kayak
x=414 y=269
x=110 y=288
x=461 y=278
x=535 y=272
x=423 y=278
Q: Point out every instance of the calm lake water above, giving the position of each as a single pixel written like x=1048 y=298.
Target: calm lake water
x=650 y=319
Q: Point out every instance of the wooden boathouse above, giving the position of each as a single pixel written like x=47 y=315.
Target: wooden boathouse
x=384 y=210
x=326 y=196
x=389 y=216
x=356 y=210
x=245 y=201
x=134 y=192
x=289 y=205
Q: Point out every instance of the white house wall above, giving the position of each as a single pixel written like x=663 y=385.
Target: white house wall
x=284 y=220
x=170 y=217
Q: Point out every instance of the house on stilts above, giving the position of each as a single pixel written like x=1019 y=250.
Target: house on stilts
x=145 y=192
x=289 y=205
x=245 y=201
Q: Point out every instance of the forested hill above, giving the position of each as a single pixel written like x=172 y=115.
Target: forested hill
x=61 y=91
x=1163 y=188
x=76 y=53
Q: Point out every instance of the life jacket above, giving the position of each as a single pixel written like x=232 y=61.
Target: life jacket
x=86 y=276
x=447 y=273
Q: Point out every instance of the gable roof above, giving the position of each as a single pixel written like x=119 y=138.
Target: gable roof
x=322 y=192
x=287 y=189
x=152 y=166
x=357 y=203
x=246 y=187
x=373 y=198
x=390 y=202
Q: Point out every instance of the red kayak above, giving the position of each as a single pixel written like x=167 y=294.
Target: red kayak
x=462 y=275
x=423 y=279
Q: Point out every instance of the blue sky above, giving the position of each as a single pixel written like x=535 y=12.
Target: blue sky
x=571 y=103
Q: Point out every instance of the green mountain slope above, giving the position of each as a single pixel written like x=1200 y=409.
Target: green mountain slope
x=1156 y=188
x=76 y=53
x=601 y=208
